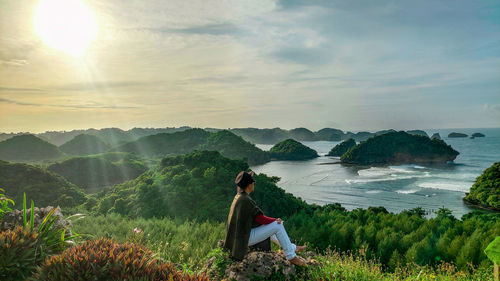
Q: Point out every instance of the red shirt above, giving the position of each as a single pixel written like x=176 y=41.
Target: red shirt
x=261 y=219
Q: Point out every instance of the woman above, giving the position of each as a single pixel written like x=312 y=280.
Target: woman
x=247 y=225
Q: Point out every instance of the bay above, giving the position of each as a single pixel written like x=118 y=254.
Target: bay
x=394 y=187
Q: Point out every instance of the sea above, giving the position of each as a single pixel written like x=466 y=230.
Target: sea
x=396 y=188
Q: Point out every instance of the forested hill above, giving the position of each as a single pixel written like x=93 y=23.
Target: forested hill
x=229 y=144
x=116 y=136
x=84 y=145
x=44 y=187
x=28 y=148
x=485 y=192
x=95 y=172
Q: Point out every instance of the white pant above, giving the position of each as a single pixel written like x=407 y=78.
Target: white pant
x=277 y=233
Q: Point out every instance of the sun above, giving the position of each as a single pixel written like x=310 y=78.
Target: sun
x=66 y=25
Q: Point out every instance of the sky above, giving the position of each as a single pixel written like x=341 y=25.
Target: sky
x=352 y=65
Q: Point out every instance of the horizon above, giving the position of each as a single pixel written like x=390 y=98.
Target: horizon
x=322 y=64
x=192 y=127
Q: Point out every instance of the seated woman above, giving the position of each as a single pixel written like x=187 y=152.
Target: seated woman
x=247 y=225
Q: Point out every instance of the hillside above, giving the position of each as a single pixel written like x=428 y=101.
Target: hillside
x=196 y=185
x=235 y=147
x=164 y=144
x=342 y=148
x=485 y=192
x=399 y=148
x=224 y=141
x=291 y=149
x=97 y=171
x=44 y=187
x=84 y=145
x=25 y=148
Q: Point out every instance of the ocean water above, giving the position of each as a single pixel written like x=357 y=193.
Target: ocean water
x=394 y=187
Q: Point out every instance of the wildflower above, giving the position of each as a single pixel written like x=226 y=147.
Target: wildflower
x=137 y=230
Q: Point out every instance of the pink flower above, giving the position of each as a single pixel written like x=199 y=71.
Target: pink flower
x=137 y=230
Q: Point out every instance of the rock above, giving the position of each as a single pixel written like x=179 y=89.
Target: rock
x=266 y=265
x=457 y=135
x=478 y=135
x=436 y=136
x=11 y=219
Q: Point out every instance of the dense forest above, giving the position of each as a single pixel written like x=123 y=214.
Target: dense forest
x=85 y=145
x=342 y=148
x=486 y=190
x=47 y=188
x=97 y=171
x=28 y=148
x=291 y=149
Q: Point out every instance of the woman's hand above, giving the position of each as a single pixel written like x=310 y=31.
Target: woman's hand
x=279 y=221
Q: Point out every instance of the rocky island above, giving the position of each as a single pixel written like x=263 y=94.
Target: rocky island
x=291 y=149
x=478 y=135
x=399 y=148
x=485 y=192
x=457 y=135
x=342 y=147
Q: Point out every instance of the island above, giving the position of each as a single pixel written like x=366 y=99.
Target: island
x=342 y=147
x=457 y=135
x=478 y=135
x=485 y=192
x=291 y=149
x=399 y=148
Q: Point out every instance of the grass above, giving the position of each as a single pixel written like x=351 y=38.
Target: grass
x=188 y=243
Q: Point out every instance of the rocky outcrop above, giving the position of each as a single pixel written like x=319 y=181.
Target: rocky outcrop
x=436 y=136
x=262 y=265
x=478 y=135
x=14 y=218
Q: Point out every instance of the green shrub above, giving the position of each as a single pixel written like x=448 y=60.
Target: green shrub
x=23 y=248
x=18 y=255
x=104 y=259
x=4 y=204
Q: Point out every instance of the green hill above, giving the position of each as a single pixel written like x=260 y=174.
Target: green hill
x=27 y=148
x=485 y=192
x=342 y=147
x=226 y=142
x=196 y=185
x=97 y=171
x=84 y=145
x=235 y=147
x=164 y=144
x=44 y=187
x=291 y=149
x=399 y=148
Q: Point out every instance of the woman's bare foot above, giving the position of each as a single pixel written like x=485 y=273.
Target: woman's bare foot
x=298 y=261
x=299 y=249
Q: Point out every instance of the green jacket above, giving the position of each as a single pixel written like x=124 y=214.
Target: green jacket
x=239 y=223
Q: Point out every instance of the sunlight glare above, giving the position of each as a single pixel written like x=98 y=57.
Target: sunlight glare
x=65 y=25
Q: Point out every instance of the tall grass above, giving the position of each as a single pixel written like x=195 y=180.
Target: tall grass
x=183 y=242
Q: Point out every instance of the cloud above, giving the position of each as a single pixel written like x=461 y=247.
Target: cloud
x=13 y=62
x=88 y=105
